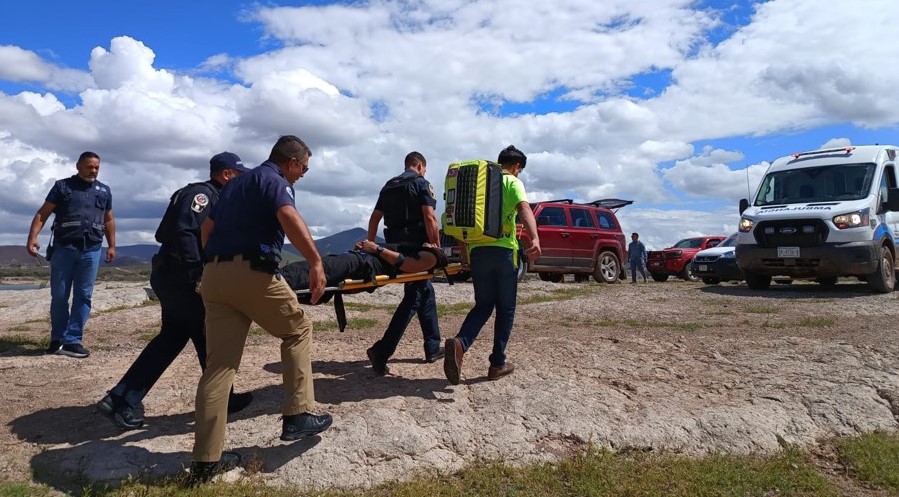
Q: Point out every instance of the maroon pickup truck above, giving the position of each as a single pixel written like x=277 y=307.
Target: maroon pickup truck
x=676 y=259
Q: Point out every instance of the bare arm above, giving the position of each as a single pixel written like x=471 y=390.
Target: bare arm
x=530 y=225
x=373 y=223
x=431 y=228
x=40 y=218
x=109 y=222
x=425 y=262
x=298 y=234
x=205 y=231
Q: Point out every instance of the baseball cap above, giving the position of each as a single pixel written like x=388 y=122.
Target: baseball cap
x=226 y=160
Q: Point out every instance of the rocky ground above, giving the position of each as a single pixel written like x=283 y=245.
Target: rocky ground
x=673 y=366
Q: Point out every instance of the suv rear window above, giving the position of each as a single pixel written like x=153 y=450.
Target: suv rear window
x=606 y=221
x=581 y=218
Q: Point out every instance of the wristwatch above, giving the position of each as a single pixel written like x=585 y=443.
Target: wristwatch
x=379 y=250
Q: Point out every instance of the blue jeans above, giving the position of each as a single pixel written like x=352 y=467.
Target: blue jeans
x=637 y=265
x=495 y=281
x=418 y=298
x=72 y=272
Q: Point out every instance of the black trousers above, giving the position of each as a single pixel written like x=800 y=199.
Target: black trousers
x=183 y=317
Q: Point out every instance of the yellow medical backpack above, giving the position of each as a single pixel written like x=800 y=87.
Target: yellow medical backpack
x=474 y=201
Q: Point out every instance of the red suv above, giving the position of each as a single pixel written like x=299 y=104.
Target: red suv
x=579 y=239
x=677 y=258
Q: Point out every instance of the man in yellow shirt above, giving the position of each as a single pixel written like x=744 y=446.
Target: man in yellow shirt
x=494 y=275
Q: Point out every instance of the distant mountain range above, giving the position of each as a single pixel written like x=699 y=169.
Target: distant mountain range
x=133 y=255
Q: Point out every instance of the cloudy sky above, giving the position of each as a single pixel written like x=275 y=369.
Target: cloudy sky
x=678 y=105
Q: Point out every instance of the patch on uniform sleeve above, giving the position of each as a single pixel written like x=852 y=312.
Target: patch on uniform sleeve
x=431 y=191
x=199 y=202
x=289 y=191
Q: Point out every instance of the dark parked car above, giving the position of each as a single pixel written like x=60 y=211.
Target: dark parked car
x=718 y=263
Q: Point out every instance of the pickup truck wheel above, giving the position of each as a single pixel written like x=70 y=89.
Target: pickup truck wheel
x=607 y=267
x=884 y=279
x=660 y=277
x=758 y=281
x=711 y=281
x=687 y=273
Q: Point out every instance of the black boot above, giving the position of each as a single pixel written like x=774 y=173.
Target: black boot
x=299 y=426
x=202 y=472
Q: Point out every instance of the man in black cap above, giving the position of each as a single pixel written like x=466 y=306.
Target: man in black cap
x=175 y=277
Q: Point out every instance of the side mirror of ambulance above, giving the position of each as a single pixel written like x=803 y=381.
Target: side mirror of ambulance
x=744 y=204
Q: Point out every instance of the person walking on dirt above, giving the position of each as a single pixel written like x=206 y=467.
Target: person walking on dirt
x=242 y=239
x=406 y=203
x=494 y=275
x=636 y=257
x=175 y=278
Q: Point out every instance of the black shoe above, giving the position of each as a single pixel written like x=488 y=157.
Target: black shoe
x=202 y=472
x=239 y=401
x=378 y=365
x=299 y=426
x=120 y=413
x=54 y=346
x=441 y=353
x=74 y=350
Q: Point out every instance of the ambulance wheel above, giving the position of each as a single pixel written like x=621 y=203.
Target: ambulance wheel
x=884 y=279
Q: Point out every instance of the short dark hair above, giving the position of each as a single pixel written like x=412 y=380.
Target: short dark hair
x=87 y=155
x=635 y=234
x=413 y=157
x=511 y=155
x=289 y=147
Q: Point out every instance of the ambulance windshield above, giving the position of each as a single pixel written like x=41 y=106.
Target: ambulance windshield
x=816 y=184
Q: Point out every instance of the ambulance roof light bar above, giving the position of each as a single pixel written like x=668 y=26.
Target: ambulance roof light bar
x=847 y=150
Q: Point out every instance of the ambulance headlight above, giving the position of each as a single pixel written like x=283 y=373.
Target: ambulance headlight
x=746 y=225
x=852 y=220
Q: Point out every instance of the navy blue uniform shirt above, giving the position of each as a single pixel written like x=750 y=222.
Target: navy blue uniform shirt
x=245 y=216
x=80 y=212
x=179 y=230
x=401 y=200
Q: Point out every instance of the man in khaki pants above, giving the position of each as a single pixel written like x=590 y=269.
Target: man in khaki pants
x=243 y=237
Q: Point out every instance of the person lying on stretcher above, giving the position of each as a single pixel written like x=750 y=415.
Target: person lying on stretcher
x=367 y=260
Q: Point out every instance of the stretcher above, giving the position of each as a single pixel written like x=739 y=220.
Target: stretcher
x=355 y=286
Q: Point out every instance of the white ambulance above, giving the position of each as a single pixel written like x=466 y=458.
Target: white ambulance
x=822 y=215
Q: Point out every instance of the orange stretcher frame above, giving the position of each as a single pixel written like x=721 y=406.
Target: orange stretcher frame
x=356 y=286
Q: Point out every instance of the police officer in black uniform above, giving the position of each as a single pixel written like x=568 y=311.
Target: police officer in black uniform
x=177 y=269
x=406 y=203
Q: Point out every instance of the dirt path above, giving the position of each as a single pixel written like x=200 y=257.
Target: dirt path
x=675 y=366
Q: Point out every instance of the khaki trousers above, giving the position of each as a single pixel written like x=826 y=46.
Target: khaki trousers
x=235 y=296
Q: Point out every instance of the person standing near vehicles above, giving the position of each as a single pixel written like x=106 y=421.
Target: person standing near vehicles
x=636 y=257
x=406 y=203
x=494 y=275
x=82 y=207
x=175 y=278
x=242 y=239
